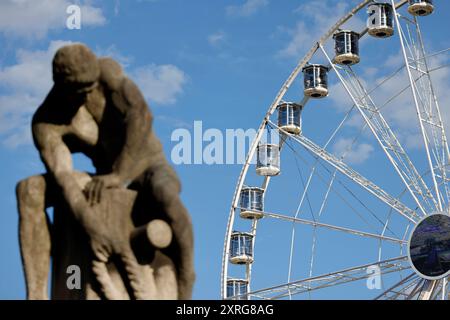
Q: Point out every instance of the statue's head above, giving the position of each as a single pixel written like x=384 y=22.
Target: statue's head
x=75 y=69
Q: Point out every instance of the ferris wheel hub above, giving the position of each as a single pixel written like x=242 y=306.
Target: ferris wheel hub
x=429 y=247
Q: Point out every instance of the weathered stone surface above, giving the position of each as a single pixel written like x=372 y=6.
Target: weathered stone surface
x=124 y=226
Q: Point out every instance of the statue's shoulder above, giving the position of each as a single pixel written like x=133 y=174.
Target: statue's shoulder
x=50 y=118
x=115 y=80
x=112 y=75
x=45 y=112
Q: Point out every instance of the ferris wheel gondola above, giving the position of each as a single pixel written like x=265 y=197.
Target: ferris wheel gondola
x=421 y=7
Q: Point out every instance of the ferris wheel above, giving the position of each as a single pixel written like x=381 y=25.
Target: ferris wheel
x=345 y=202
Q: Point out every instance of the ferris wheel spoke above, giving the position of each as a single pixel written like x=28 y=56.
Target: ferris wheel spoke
x=317 y=224
x=440 y=290
x=440 y=67
x=331 y=279
x=365 y=183
x=428 y=289
x=406 y=288
x=445 y=294
x=433 y=117
x=407 y=87
x=322 y=206
x=329 y=184
x=387 y=140
x=426 y=104
x=414 y=294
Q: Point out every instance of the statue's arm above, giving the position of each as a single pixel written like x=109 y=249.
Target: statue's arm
x=57 y=158
x=133 y=160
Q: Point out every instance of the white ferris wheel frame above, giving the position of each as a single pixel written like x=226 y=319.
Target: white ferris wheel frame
x=427 y=201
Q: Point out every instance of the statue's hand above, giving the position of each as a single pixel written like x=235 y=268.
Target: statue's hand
x=101 y=246
x=93 y=190
x=101 y=238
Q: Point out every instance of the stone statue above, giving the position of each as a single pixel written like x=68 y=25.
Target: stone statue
x=124 y=226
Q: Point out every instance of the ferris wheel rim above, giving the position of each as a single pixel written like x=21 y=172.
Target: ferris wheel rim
x=277 y=101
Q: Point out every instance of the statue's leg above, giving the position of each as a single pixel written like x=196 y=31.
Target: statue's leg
x=165 y=189
x=183 y=246
x=33 y=197
x=165 y=277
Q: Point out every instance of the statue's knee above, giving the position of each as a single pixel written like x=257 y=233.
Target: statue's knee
x=190 y=275
x=31 y=192
x=166 y=191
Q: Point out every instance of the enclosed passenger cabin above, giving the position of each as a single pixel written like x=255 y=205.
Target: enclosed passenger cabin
x=346 y=47
x=315 y=81
x=241 y=248
x=237 y=289
x=252 y=205
x=420 y=7
x=289 y=117
x=268 y=160
x=380 y=23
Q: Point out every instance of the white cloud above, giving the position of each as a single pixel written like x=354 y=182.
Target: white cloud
x=112 y=52
x=352 y=153
x=400 y=112
x=217 y=38
x=25 y=86
x=316 y=17
x=173 y=122
x=34 y=19
x=247 y=9
x=441 y=83
x=160 y=84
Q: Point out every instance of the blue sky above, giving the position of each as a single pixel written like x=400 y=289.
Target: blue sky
x=221 y=62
